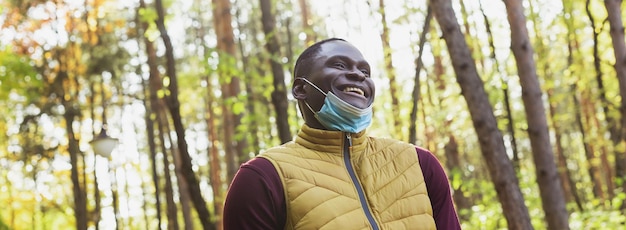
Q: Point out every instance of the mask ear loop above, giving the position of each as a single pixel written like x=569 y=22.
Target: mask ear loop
x=310 y=83
x=318 y=89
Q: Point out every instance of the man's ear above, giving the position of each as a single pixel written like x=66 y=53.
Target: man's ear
x=297 y=90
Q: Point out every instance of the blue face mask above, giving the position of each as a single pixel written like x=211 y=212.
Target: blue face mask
x=338 y=115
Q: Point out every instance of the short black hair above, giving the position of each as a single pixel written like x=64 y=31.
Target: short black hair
x=303 y=63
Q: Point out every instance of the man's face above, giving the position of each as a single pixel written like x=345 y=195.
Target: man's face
x=341 y=69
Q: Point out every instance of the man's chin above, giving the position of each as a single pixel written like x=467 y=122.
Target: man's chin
x=359 y=104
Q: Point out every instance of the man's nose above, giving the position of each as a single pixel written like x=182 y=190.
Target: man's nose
x=356 y=74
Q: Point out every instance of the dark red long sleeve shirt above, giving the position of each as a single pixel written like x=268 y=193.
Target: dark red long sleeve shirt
x=256 y=200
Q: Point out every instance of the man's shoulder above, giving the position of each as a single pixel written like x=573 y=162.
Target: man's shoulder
x=387 y=141
x=285 y=148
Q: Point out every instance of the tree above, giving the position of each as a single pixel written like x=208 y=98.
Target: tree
x=390 y=71
x=174 y=108
x=505 y=89
x=306 y=22
x=230 y=84
x=613 y=8
x=485 y=125
x=279 y=95
x=230 y=87
x=611 y=122
x=547 y=176
x=418 y=68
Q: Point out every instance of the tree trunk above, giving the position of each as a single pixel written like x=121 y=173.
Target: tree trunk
x=250 y=85
x=80 y=202
x=592 y=169
x=453 y=163
x=547 y=177
x=611 y=122
x=614 y=10
x=164 y=136
x=151 y=103
x=505 y=89
x=158 y=106
x=572 y=44
x=390 y=72
x=306 y=23
x=418 y=68
x=567 y=182
x=114 y=195
x=97 y=211
x=183 y=191
x=215 y=169
x=229 y=84
x=279 y=95
x=80 y=199
x=490 y=138
x=174 y=106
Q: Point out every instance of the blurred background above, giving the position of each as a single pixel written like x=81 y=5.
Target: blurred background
x=136 y=114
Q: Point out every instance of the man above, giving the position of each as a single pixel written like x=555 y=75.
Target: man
x=333 y=176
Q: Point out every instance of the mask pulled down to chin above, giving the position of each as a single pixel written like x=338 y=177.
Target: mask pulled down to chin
x=338 y=115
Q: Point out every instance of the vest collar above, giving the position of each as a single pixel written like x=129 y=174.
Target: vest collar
x=329 y=141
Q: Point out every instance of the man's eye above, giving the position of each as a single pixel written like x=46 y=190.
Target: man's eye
x=366 y=72
x=340 y=65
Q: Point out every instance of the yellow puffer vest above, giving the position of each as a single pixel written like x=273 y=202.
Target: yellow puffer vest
x=378 y=183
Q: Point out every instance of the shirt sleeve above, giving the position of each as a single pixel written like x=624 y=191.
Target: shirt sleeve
x=255 y=198
x=438 y=190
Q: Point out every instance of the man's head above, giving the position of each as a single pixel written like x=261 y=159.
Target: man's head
x=336 y=66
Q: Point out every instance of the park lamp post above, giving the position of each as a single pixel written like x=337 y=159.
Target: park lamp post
x=103 y=144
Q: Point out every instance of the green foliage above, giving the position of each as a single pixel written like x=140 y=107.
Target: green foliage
x=17 y=75
x=149 y=15
x=598 y=219
x=3 y=226
x=486 y=213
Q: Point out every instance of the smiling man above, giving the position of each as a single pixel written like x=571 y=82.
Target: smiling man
x=332 y=175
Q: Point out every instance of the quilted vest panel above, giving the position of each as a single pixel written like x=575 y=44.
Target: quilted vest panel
x=320 y=194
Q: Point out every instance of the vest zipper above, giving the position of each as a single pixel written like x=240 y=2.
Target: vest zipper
x=347 y=147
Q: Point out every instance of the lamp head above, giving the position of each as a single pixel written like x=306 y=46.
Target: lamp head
x=103 y=144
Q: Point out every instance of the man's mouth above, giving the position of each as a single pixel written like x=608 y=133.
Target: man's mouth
x=354 y=90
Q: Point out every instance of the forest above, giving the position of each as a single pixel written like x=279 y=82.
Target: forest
x=522 y=102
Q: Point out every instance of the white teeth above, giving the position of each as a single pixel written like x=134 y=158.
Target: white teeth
x=354 y=90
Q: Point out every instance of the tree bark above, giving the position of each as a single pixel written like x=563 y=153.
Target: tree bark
x=252 y=83
x=80 y=201
x=453 y=163
x=164 y=136
x=418 y=68
x=183 y=191
x=505 y=89
x=152 y=149
x=390 y=72
x=151 y=103
x=215 y=169
x=174 y=106
x=547 y=177
x=592 y=169
x=279 y=95
x=164 y=131
x=229 y=83
x=80 y=196
x=614 y=10
x=490 y=138
x=567 y=182
x=306 y=23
